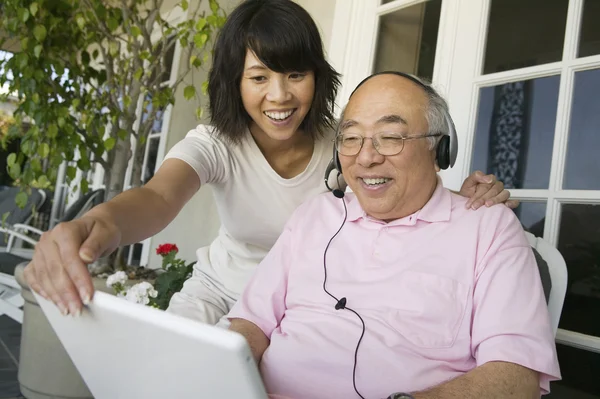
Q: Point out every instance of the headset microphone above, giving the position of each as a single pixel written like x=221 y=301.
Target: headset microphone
x=338 y=193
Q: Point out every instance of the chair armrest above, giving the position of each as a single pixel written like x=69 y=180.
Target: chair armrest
x=15 y=234
x=26 y=227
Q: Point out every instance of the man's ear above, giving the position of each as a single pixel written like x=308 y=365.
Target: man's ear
x=435 y=164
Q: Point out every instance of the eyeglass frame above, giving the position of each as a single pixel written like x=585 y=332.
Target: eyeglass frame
x=376 y=143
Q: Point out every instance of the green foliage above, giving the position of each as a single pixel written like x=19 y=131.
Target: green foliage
x=176 y=272
x=83 y=69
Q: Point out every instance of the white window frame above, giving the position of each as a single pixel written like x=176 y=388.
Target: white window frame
x=459 y=60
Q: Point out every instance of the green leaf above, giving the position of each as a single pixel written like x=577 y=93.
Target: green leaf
x=189 y=92
x=184 y=5
x=214 y=6
x=33 y=8
x=109 y=143
x=11 y=159
x=37 y=50
x=122 y=134
x=43 y=181
x=52 y=131
x=39 y=32
x=35 y=98
x=23 y=14
x=113 y=48
x=136 y=31
x=44 y=150
x=21 y=199
x=205 y=87
x=5 y=216
x=61 y=122
x=71 y=172
x=80 y=21
x=200 y=40
x=23 y=60
x=199 y=113
x=138 y=74
x=112 y=24
x=84 y=186
x=201 y=24
x=14 y=171
x=24 y=43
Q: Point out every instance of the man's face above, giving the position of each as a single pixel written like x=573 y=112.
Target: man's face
x=394 y=186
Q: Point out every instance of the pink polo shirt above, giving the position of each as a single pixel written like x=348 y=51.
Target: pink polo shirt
x=441 y=292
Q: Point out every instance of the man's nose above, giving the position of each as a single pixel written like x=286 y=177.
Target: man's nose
x=278 y=91
x=368 y=155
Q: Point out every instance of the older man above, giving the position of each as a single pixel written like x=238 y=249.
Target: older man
x=396 y=289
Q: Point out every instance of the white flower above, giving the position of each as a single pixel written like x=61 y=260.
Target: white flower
x=141 y=293
x=118 y=278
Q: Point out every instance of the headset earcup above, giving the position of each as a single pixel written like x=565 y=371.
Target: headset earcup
x=336 y=160
x=443 y=152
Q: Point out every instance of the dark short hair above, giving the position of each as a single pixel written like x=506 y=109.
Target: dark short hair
x=286 y=39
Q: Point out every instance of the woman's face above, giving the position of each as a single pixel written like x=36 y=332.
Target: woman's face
x=276 y=102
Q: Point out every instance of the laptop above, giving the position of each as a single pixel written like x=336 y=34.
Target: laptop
x=125 y=350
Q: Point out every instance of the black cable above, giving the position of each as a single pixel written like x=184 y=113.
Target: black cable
x=341 y=303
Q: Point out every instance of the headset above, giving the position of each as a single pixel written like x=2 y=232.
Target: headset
x=446 y=153
x=446 y=150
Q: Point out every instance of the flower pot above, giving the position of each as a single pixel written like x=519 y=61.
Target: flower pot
x=45 y=369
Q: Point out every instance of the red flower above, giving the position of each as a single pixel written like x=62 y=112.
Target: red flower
x=164 y=249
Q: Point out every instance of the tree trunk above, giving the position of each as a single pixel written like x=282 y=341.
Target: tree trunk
x=138 y=162
x=115 y=180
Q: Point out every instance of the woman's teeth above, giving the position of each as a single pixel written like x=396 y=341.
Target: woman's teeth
x=373 y=182
x=279 y=116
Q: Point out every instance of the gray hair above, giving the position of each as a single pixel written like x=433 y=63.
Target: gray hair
x=436 y=114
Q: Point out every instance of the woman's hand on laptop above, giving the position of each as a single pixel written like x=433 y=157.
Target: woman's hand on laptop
x=58 y=270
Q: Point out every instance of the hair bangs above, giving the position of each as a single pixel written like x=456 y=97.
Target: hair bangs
x=293 y=51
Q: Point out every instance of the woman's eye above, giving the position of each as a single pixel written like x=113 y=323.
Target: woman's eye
x=258 y=78
x=297 y=76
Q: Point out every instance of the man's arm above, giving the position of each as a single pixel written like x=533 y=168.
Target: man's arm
x=491 y=380
x=257 y=340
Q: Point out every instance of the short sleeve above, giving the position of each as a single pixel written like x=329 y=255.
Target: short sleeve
x=263 y=300
x=510 y=321
x=205 y=153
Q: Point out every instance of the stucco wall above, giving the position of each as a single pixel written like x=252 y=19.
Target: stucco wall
x=197 y=224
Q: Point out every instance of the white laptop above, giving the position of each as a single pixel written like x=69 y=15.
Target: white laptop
x=125 y=350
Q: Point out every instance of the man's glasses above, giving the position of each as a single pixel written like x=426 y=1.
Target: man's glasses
x=387 y=144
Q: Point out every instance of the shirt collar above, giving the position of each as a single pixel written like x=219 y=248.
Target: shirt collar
x=437 y=209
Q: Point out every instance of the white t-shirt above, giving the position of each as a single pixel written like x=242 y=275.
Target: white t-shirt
x=253 y=201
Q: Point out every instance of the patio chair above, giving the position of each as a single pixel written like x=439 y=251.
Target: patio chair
x=11 y=300
x=553 y=272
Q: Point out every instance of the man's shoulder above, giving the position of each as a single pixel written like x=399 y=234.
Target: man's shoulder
x=498 y=212
x=318 y=207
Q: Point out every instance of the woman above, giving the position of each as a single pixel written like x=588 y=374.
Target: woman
x=271 y=95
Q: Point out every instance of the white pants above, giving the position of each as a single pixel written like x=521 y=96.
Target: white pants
x=203 y=298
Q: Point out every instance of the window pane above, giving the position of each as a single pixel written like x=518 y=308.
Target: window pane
x=532 y=216
x=589 y=41
x=152 y=149
x=167 y=60
x=579 y=243
x=515 y=132
x=524 y=33
x=579 y=370
x=407 y=39
x=583 y=165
